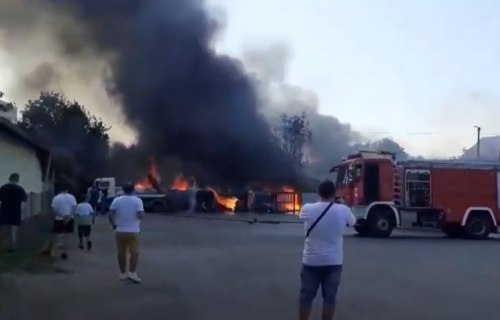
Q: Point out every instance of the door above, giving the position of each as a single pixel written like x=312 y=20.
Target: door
x=371 y=186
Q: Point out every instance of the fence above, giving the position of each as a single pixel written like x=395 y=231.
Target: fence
x=37 y=203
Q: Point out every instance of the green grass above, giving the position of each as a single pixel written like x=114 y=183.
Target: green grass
x=27 y=259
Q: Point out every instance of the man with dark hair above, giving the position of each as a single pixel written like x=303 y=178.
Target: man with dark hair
x=12 y=195
x=324 y=222
x=125 y=215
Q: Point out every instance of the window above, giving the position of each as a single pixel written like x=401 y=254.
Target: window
x=338 y=175
x=104 y=184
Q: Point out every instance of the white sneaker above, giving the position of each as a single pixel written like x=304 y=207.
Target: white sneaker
x=123 y=276
x=134 y=277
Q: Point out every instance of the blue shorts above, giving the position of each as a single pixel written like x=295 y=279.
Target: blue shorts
x=313 y=277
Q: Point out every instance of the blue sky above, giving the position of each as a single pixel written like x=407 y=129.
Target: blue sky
x=395 y=67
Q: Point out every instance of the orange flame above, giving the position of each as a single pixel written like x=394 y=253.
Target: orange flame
x=229 y=202
x=145 y=184
x=294 y=206
x=180 y=183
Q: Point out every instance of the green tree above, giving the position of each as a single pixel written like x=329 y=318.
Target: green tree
x=5 y=106
x=293 y=135
x=78 y=140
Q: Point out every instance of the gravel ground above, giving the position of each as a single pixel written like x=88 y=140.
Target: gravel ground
x=194 y=269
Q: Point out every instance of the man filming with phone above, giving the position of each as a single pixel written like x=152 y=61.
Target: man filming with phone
x=325 y=222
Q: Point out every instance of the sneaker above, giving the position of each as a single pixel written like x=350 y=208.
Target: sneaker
x=64 y=256
x=80 y=246
x=89 y=245
x=123 y=276
x=132 y=276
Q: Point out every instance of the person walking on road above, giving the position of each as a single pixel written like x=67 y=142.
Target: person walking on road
x=125 y=215
x=324 y=223
x=12 y=196
x=84 y=215
x=63 y=207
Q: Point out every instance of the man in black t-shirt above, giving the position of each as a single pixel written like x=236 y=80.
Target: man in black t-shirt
x=12 y=195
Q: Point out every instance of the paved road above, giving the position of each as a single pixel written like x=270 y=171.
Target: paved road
x=195 y=269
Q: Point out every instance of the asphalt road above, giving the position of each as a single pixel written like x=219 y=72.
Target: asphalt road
x=195 y=269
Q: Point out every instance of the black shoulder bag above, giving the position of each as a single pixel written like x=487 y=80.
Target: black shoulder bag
x=317 y=220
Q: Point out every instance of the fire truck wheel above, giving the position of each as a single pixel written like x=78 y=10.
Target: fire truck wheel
x=453 y=230
x=381 y=221
x=478 y=226
x=361 y=230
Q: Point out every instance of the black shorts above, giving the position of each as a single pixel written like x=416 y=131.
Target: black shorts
x=84 y=231
x=63 y=227
x=10 y=220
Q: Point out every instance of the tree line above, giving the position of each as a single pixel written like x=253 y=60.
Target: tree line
x=81 y=147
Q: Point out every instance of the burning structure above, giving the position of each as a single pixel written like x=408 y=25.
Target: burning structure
x=210 y=199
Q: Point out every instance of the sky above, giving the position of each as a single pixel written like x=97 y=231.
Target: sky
x=422 y=71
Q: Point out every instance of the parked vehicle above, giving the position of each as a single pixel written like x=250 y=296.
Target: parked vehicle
x=461 y=198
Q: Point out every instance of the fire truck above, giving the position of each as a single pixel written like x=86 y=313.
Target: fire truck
x=461 y=198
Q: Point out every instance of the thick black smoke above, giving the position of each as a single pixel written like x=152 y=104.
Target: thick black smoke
x=180 y=96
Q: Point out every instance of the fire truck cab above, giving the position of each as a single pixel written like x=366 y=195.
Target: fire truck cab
x=460 y=198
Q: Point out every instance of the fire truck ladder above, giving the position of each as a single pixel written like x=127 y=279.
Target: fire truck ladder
x=451 y=164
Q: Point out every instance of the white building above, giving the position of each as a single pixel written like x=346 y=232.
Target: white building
x=21 y=154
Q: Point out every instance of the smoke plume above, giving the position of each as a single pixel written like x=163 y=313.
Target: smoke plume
x=159 y=62
x=332 y=139
x=152 y=65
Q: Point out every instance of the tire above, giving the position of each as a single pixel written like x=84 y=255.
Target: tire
x=381 y=222
x=454 y=231
x=361 y=230
x=478 y=226
x=159 y=207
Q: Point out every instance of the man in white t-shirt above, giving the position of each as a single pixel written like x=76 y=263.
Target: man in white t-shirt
x=84 y=215
x=125 y=215
x=63 y=208
x=324 y=222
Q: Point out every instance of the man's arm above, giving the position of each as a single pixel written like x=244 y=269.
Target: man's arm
x=73 y=206
x=350 y=218
x=24 y=196
x=140 y=209
x=303 y=212
x=112 y=213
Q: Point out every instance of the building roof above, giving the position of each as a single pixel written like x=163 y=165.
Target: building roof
x=12 y=130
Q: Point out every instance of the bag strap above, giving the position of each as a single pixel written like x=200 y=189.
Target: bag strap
x=318 y=219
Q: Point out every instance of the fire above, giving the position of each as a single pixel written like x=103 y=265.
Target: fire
x=146 y=183
x=229 y=202
x=291 y=206
x=180 y=183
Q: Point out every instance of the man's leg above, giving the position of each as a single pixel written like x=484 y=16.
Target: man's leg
x=69 y=228
x=121 y=248
x=56 y=230
x=88 y=231
x=13 y=230
x=329 y=287
x=134 y=256
x=80 y=230
x=310 y=283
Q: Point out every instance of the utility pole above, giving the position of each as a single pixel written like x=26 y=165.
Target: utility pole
x=478 y=143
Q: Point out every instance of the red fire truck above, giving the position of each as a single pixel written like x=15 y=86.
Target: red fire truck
x=462 y=198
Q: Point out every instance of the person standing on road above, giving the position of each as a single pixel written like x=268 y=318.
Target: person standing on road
x=84 y=215
x=125 y=215
x=63 y=207
x=324 y=222
x=12 y=196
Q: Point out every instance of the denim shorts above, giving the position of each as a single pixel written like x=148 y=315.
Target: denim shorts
x=313 y=277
